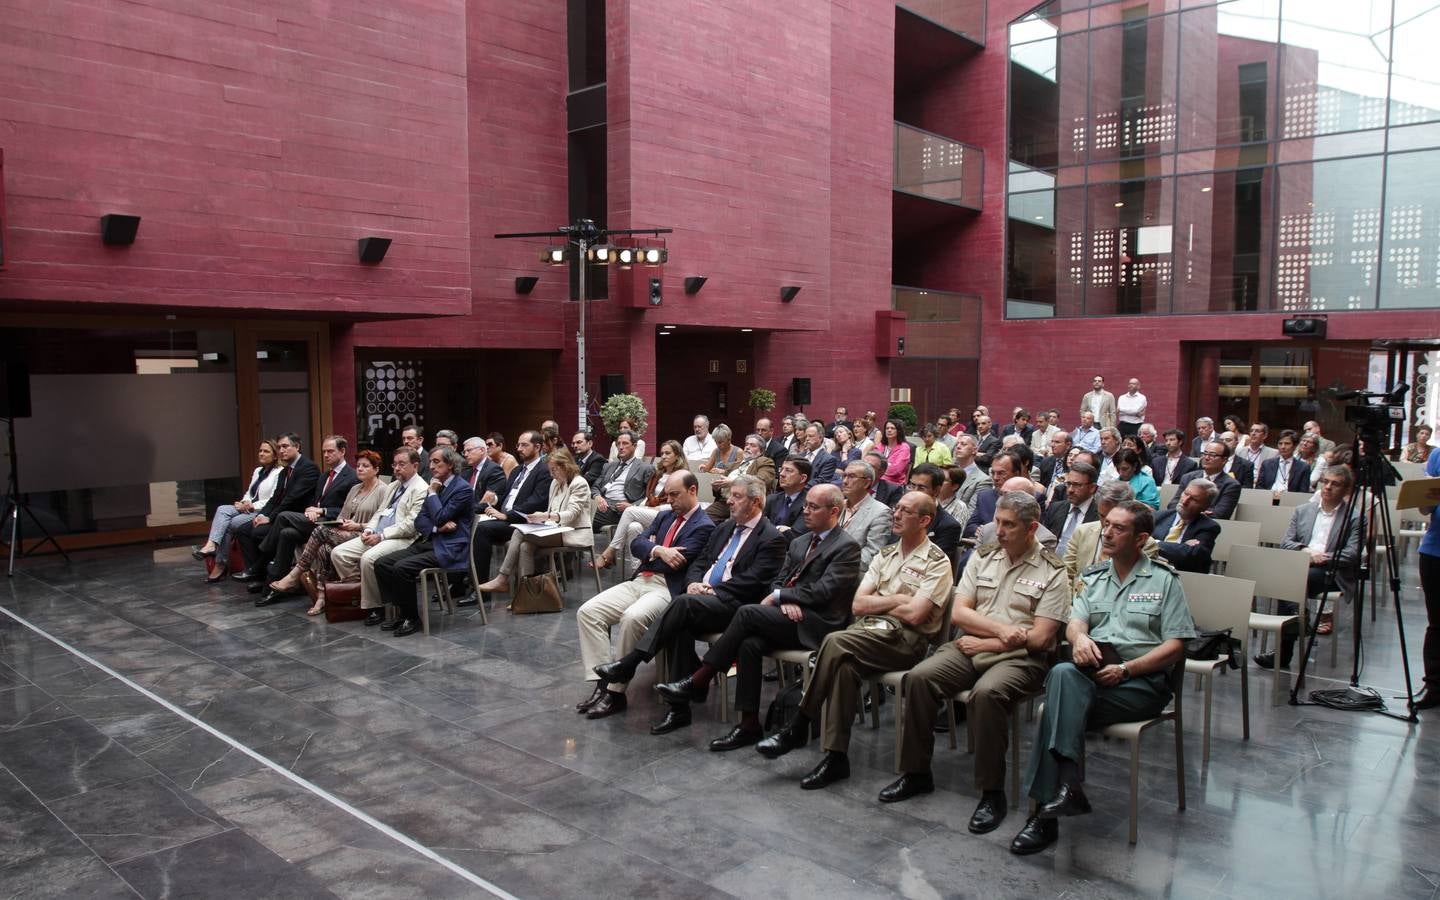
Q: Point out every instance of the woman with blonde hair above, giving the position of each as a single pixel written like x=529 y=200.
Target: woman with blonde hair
x=571 y=506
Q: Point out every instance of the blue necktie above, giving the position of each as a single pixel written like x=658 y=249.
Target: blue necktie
x=717 y=571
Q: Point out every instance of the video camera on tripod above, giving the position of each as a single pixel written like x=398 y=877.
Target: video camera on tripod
x=1372 y=416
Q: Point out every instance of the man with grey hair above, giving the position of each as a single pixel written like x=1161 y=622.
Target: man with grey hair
x=865 y=519
x=736 y=567
x=700 y=446
x=1109 y=446
x=822 y=464
x=1186 y=535
x=1011 y=602
x=447 y=438
x=1204 y=434
x=752 y=462
x=1085 y=548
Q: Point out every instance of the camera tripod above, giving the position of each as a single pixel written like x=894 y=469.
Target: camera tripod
x=1372 y=471
x=15 y=506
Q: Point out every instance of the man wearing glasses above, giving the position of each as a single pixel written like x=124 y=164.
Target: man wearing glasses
x=1212 y=467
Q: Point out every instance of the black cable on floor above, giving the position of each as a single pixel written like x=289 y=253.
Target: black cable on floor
x=1353 y=699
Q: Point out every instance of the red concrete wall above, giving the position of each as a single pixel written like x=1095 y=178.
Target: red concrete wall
x=256 y=141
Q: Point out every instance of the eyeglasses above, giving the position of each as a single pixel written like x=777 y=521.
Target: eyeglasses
x=1211 y=453
x=815 y=507
x=1076 y=484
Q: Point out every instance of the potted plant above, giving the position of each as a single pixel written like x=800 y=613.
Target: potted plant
x=905 y=413
x=623 y=406
x=762 y=399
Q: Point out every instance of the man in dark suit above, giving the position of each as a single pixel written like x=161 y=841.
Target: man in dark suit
x=842 y=417
x=1212 y=468
x=784 y=508
x=293 y=493
x=1204 y=434
x=1186 y=535
x=773 y=446
x=1078 y=507
x=987 y=442
x=526 y=491
x=443 y=540
x=674 y=540
x=822 y=464
x=1004 y=467
x=1053 y=466
x=944 y=531
x=1171 y=464
x=292 y=529
x=591 y=464
x=808 y=599
x=1237 y=466
x=621 y=483
x=887 y=492
x=1284 y=472
x=485 y=476
x=739 y=561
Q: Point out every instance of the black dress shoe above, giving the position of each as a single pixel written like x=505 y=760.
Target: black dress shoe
x=682 y=691
x=257 y=587
x=1070 y=800
x=1037 y=834
x=247 y=575
x=595 y=697
x=199 y=554
x=989 y=813
x=374 y=617
x=791 y=737
x=614 y=672
x=1428 y=699
x=408 y=626
x=911 y=784
x=217 y=577
x=833 y=767
x=390 y=625
x=608 y=705
x=1267 y=661
x=678 y=717
x=271 y=597
x=737 y=738
x=467 y=600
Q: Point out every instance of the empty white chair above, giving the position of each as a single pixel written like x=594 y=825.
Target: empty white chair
x=1278 y=575
x=1218 y=602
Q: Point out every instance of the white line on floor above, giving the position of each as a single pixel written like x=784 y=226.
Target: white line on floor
x=318 y=791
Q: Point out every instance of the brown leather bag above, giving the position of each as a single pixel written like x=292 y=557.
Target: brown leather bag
x=537 y=594
x=342 y=601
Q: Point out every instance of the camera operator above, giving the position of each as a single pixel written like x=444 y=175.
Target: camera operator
x=1430 y=584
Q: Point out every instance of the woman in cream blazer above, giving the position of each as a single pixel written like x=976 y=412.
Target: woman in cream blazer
x=570 y=505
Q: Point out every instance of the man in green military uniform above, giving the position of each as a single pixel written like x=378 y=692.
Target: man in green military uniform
x=1012 y=601
x=1128 y=627
x=899 y=609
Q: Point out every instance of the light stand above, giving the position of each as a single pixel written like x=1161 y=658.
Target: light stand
x=15 y=505
x=582 y=235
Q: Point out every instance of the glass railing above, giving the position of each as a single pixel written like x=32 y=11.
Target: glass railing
x=938 y=168
x=965 y=17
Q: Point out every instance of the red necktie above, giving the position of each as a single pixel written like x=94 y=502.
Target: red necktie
x=330 y=478
x=670 y=535
x=474 y=479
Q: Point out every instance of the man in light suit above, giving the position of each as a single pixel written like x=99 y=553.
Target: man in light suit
x=1186 y=535
x=808 y=599
x=865 y=519
x=1317 y=529
x=622 y=482
x=1283 y=471
x=674 y=540
x=1255 y=452
x=1212 y=468
x=739 y=561
x=1085 y=549
x=1099 y=402
x=822 y=464
x=526 y=491
x=390 y=530
x=591 y=464
x=442 y=540
x=752 y=462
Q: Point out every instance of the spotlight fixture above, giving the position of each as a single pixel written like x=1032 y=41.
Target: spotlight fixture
x=625 y=257
x=788 y=292
x=602 y=254
x=372 y=249
x=554 y=255
x=118 y=230
x=654 y=256
x=524 y=284
x=693 y=283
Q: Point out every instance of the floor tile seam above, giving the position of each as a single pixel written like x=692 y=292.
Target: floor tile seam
x=230 y=826
x=359 y=814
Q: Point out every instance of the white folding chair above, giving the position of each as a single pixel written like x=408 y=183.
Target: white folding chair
x=1278 y=575
x=1295 y=498
x=1134 y=731
x=1257 y=496
x=1218 y=602
x=1167 y=492
x=1233 y=533
x=1274 y=520
x=896 y=680
x=440 y=578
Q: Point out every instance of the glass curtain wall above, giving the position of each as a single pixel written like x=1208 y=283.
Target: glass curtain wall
x=1191 y=156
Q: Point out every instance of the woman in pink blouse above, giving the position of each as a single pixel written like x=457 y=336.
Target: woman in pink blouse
x=897 y=453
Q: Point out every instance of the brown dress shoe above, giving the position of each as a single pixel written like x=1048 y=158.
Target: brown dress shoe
x=608 y=705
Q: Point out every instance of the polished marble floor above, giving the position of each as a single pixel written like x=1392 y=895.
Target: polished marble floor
x=466 y=744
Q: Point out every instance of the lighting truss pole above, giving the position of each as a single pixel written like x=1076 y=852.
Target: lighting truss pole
x=588 y=239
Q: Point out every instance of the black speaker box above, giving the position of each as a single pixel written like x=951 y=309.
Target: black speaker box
x=800 y=391
x=117 y=230
x=14 y=391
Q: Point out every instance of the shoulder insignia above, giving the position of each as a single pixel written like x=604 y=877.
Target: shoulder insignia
x=1161 y=562
x=987 y=549
x=1095 y=569
x=889 y=549
x=1050 y=557
x=936 y=554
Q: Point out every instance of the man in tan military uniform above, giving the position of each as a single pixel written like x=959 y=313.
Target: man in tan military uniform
x=899 y=609
x=1012 y=601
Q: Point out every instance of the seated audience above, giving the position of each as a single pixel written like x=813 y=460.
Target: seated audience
x=700 y=446
x=784 y=508
x=944 y=532
x=753 y=462
x=1308 y=452
x=390 y=530
x=627 y=424
x=294 y=492
x=844 y=448
x=1171 y=464
x=527 y=490
x=951 y=498
x=1079 y=505
x=822 y=464
x=931 y=450
x=495 y=449
x=232 y=515
x=622 y=484
x=486 y=477
x=725 y=454
x=592 y=464
x=987 y=443
x=1087 y=436
x=570 y=506
x=865 y=519
x=1283 y=472
x=1147 y=636
x=292 y=529
x=638 y=516
x=1186 y=535
x=896 y=451
x=1086 y=548
x=1212 y=468
x=1418 y=450
x=1129 y=469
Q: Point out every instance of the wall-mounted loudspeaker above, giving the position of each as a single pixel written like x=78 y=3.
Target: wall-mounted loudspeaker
x=800 y=391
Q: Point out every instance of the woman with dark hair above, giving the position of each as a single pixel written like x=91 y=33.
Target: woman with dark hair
x=232 y=515
x=571 y=505
x=896 y=451
x=638 y=516
x=310 y=569
x=1418 y=450
x=1235 y=424
x=1131 y=470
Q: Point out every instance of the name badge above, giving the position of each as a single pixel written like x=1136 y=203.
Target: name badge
x=1030 y=582
x=985 y=580
x=1152 y=597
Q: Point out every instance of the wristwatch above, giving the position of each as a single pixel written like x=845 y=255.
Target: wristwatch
x=1126 y=669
